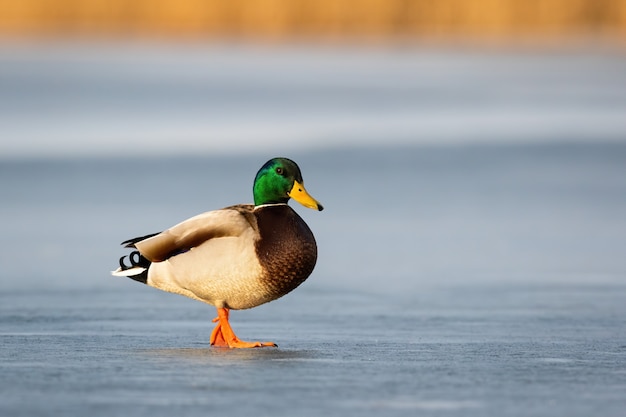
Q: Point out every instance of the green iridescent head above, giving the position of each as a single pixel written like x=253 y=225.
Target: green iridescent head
x=279 y=180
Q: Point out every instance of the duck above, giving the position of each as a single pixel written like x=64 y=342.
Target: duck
x=235 y=258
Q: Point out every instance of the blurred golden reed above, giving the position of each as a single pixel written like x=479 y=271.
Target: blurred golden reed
x=334 y=19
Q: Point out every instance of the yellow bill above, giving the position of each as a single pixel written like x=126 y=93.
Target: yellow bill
x=299 y=193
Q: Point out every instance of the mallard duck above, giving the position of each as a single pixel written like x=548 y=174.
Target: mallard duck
x=235 y=258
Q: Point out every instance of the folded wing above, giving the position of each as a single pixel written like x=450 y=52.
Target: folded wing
x=195 y=231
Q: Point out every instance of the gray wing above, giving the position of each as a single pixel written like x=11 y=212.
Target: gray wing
x=231 y=221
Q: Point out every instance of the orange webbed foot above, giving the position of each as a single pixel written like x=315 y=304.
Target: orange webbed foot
x=223 y=335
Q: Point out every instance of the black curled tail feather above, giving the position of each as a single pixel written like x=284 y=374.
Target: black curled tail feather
x=139 y=264
x=137 y=260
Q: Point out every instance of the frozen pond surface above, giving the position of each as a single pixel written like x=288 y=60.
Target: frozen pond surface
x=512 y=350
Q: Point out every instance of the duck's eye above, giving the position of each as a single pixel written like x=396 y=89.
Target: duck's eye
x=279 y=171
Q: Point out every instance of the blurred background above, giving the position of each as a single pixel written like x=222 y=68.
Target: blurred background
x=164 y=77
x=85 y=77
x=286 y=20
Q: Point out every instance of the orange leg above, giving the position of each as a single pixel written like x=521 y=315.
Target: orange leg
x=223 y=335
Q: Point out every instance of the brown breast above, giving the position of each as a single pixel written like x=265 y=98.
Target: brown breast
x=286 y=248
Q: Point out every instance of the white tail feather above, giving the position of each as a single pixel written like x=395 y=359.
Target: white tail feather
x=119 y=272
